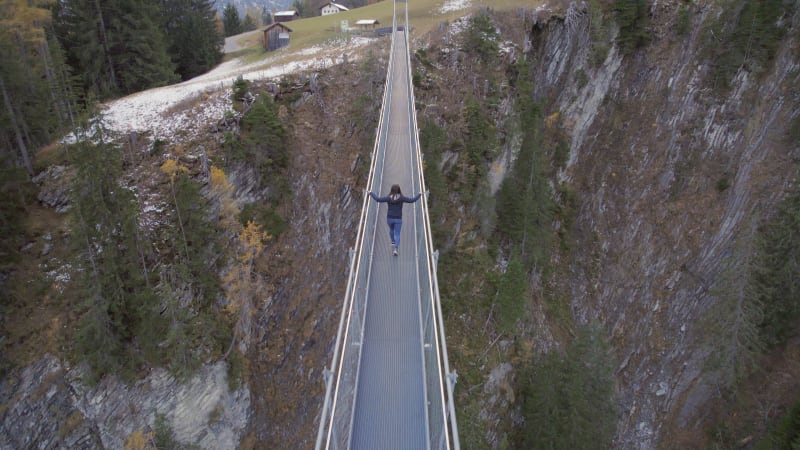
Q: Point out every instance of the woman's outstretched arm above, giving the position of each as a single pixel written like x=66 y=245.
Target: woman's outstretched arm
x=412 y=199
x=378 y=199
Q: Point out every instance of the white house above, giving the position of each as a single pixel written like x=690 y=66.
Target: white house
x=332 y=8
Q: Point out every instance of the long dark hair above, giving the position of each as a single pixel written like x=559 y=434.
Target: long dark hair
x=395 y=193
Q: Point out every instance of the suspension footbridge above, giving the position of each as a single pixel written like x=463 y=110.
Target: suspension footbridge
x=389 y=385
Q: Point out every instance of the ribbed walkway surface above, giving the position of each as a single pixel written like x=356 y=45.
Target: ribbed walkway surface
x=390 y=408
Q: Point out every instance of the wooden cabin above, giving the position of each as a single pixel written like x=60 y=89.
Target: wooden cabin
x=367 y=24
x=285 y=16
x=276 y=36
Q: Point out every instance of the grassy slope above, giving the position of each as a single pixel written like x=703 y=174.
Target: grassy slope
x=423 y=15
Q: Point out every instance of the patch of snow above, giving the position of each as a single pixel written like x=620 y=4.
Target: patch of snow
x=458 y=26
x=164 y=112
x=59 y=276
x=153 y=208
x=454 y=5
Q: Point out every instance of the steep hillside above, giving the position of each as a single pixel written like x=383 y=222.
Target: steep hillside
x=601 y=175
x=332 y=131
x=267 y=392
x=669 y=169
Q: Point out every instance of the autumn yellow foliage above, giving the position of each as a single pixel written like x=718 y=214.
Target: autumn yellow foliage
x=172 y=168
x=242 y=285
x=140 y=440
x=222 y=189
x=552 y=119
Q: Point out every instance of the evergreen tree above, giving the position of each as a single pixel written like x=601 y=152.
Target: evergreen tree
x=263 y=144
x=117 y=45
x=299 y=7
x=202 y=241
x=524 y=202
x=632 y=18
x=568 y=400
x=746 y=36
x=511 y=295
x=248 y=24
x=231 y=21
x=479 y=142
x=140 y=50
x=34 y=85
x=733 y=320
x=777 y=276
x=198 y=248
x=481 y=37
x=266 y=16
x=122 y=322
x=194 y=42
x=433 y=142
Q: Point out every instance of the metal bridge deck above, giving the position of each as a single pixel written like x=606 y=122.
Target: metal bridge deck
x=390 y=410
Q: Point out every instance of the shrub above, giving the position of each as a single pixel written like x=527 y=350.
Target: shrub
x=786 y=434
x=684 y=20
x=633 y=18
x=262 y=145
x=746 y=36
x=510 y=296
x=264 y=215
x=480 y=38
x=723 y=183
x=240 y=87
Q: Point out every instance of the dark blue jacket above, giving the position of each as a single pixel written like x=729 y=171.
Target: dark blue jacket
x=395 y=207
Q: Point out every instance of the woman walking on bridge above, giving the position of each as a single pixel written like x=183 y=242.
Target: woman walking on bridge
x=394 y=215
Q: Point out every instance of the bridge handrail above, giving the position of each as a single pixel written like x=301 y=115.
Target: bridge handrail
x=327 y=416
x=432 y=259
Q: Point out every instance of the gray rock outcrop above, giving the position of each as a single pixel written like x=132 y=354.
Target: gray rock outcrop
x=46 y=405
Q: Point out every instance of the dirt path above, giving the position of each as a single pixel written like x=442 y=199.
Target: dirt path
x=232 y=44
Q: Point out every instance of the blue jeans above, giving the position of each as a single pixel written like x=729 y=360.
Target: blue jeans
x=394 y=230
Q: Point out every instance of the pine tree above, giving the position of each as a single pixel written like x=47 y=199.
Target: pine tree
x=117 y=45
x=511 y=296
x=264 y=143
x=231 y=21
x=433 y=142
x=266 y=16
x=733 y=320
x=777 y=274
x=34 y=101
x=632 y=18
x=122 y=322
x=524 y=202
x=248 y=24
x=194 y=42
x=139 y=48
x=478 y=144
x=569 y=399
x=298 y=6
x=481 y=37
x=198 y=243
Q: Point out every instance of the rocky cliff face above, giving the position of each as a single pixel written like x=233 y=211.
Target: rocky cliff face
x=669 y=176
x=47 y=406
x=330 y=117
x=649 y=145
x=332 y=127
